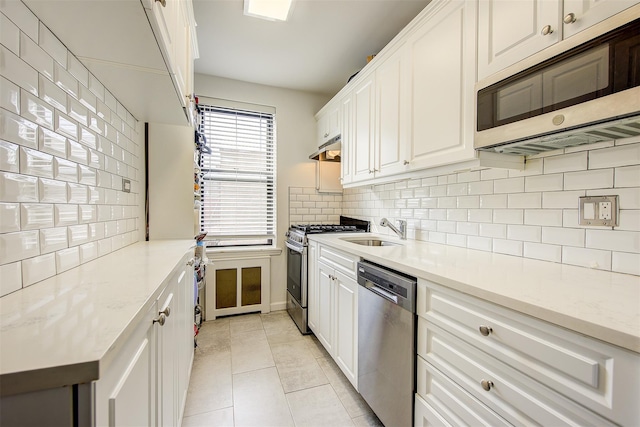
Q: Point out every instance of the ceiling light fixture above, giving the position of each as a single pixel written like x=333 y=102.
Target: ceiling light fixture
x=272 y=10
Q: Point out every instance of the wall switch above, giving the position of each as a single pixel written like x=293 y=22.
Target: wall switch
x=604 y=210
x=598 y=211
x=126 y=185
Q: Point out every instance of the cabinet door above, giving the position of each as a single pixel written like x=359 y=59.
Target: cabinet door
x=346 y=130
x=346 y=345
x=589 y=12
x=167 y=360
x=509 y=31
x=184 y=321
x=325 y=325
x=312 y=288
x=363 y=111
x=442 y=72
x=391 y=134
x=328 y=124
x=164 y=20
x=182 y=52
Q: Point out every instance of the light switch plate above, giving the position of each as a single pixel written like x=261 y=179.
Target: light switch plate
x=126 y=185
x=598 y=211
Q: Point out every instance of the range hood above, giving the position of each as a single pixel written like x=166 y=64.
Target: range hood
x=603 y=131
x=329 y=151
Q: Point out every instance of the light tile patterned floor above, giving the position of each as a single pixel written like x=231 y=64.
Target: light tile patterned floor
x=258 y=370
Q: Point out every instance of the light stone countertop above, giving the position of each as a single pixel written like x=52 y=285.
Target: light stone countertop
x=596 y=303
x=66 y=329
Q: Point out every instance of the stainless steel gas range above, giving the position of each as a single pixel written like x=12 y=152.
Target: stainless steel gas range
x=297 y=263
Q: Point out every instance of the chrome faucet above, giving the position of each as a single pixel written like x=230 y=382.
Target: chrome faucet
x=402 y=232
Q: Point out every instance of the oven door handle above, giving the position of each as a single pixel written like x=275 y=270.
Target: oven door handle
x=299 y=249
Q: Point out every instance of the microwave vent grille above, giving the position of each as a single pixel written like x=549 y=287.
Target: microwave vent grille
x=620 y=129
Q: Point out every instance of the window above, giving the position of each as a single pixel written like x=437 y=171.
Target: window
x=238 y=176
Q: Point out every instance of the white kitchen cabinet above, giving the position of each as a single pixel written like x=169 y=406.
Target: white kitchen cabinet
x=525 y=370
x=442 y=72
x=509 y=31
x=313 y=315
x=363 y=129
x=346 y=129
x=333 y=307
x=328 y=122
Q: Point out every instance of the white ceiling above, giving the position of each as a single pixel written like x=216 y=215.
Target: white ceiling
x=322 y=44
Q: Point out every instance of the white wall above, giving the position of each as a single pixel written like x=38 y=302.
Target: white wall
x=295 y=138
x=66 y=144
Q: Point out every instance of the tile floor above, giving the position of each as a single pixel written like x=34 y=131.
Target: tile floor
x=258 y=370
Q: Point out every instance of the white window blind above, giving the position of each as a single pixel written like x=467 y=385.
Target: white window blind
x=238 y=176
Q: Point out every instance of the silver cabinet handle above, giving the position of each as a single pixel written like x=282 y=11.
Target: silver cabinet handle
x=162 y=2
x=370 y=171
x=406 y=162
x=326 y=134
x=486 y=384
x=161 y=319
x=191 y=262
x=546 y=30
x=166 y=312
x=569 y=18
x=485 y=331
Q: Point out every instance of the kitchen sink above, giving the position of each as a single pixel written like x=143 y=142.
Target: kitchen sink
x=371 y=242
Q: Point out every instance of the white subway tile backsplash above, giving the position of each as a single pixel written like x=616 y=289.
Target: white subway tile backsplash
x=52 y=191
x=490 y=201
x=53 y=239
x=78 y=234
x=526 y=233
x=65 y=170
x=508 y=216
x=629 y=220
x=88 y=252
x=498 y=231
x=491 y=174
x=524 y=200
x=552 y=182
x=77 y=70
x=457 y=240
x=50 y=43
x=37 y=269
x=629 y=198
x=592 y=179
x=36 y=110
x=34 y=216
x=9 y=157
x=457 y=189
x=19 y=130
x=88 y=214
x=480 y=215
x=479 y=243
x=22 y=17
x=566 y=163
x=65 y=125
x=623 y=262
x=10 y=277
x=77 y=111
x=35 y=56
x=9 y=34
x=467 y=228
x=19 y=245
x=561 y=199
x=9 y=95
x=77 y=193
x=446 y=226
x=52 y=94
x=67 y=259
x=570 y=218
x=447 y=202
x=52 y=143
x=18 y=188
x=9 y=217
x=36 y=163
x=96 y=88
x=65 y=80
x=563 y=236
x=509 y=185
x=468 y=202
x=66 y=215
x=437 y=237
x=590 y=258
x=87 y=98
x=547 y=217
x=96 y=231
x=543 y=252
x=508 y=247
x=623 y=155
x=457 y=214
x=17 y=71
x=622 y=241
x=627 y=176
x=438 y=191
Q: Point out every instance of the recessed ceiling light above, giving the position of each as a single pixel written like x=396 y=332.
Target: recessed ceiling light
x=272 y=10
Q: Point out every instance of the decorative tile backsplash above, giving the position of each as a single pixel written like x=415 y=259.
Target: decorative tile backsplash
x=531 y=213
x=66 y=144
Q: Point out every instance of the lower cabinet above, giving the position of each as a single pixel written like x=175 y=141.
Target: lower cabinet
x=333 y=306
x=479 y=363
x=146 y=383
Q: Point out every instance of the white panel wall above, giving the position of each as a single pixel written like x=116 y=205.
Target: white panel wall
x=296 y=140
x=66 y=144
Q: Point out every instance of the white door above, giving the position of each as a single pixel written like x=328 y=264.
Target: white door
x=392 y=103
x=363 y=131
x=581 y=14
x=346 y=349
x=324 y=331
x=509 y=31
x=443 y=76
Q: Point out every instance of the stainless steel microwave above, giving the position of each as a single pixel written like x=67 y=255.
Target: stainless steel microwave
x=582 y=90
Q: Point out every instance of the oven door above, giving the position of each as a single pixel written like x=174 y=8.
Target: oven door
x=297 y=272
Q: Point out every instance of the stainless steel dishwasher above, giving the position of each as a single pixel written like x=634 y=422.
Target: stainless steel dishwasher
x=386 y=342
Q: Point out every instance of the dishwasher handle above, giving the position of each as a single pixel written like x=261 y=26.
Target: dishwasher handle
x=381 y=292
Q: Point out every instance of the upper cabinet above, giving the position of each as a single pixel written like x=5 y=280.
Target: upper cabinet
x=141 y=51
x=509 y=31
x=328 y=123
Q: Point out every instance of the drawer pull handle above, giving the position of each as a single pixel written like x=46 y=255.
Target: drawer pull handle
x=485 y=331
x=162 y=319
x=486 y=384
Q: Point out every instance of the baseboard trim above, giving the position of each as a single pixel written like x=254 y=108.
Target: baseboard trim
x=277 y=306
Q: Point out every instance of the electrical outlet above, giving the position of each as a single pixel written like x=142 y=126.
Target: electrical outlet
x=598 y=211
x=126 y=185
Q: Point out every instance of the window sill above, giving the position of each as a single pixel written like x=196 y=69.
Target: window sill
x=246 y=252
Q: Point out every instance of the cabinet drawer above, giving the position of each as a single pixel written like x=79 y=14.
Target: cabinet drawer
x=451 y=402
x=514 y=396
x=341 y=261
x=602 y=377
